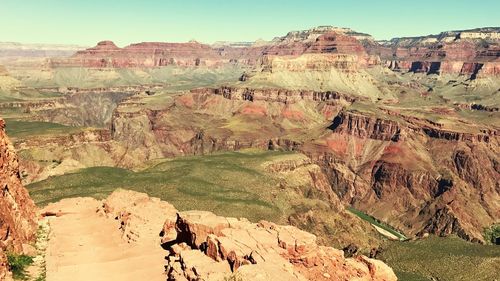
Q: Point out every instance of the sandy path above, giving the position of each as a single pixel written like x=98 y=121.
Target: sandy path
x=84 y=245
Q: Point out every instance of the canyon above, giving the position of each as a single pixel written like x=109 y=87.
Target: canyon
x=120 y=235
x=404 y=131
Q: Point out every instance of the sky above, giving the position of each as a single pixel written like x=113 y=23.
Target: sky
x=85 y=22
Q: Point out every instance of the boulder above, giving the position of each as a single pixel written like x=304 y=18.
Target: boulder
x=138 y=214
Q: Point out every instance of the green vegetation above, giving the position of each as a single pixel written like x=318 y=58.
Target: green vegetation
x=231 y=184
x=438 y=258
x=492 y=233
x=18 y=265
x=376 y=222
x=21 y=129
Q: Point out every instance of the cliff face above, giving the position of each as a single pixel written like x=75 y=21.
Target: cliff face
x=469 y=52
x=425 y=179
x=328 y=41
x=17 y=210
x=333 y=48
x=366 y=126
x=387 y=129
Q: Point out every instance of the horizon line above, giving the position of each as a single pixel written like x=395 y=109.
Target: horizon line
x=246 y=41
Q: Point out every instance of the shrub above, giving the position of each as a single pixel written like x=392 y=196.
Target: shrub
x=492 y=233
x=18 y=264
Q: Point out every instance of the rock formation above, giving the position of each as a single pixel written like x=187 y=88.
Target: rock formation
x=203 y=246
x=138 y=214
x=17 y=210
x=7 y=82
x=198 y=245
x=417 y=168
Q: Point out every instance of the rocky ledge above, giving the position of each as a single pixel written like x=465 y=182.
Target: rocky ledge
x=196 y=245
x=204 y=246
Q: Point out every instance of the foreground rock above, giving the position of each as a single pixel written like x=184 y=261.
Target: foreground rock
x=209 y=247
x=17 y=210
x=138 y=214
x=116 y=239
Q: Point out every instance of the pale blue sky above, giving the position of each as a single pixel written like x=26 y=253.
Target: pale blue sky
x=86 y=22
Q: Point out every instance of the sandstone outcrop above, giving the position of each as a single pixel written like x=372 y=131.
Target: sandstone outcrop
x=138 y=214
x=209 y=247
x=113 y=239
x=198 y=245
x=17 y=210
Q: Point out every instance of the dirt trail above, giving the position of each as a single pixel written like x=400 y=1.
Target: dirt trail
x=85 y=245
